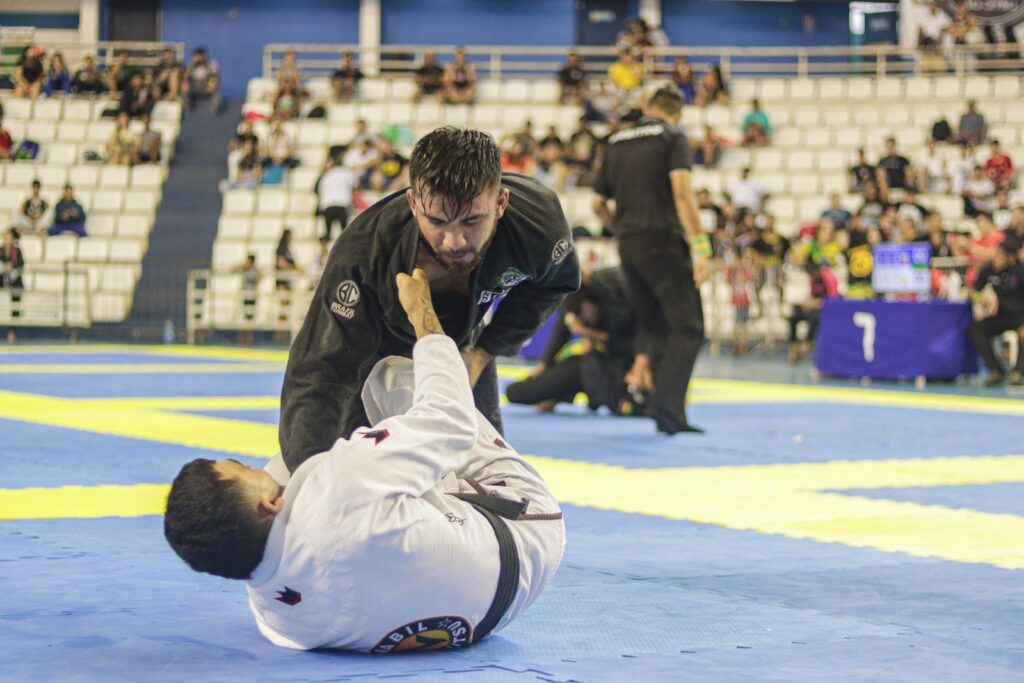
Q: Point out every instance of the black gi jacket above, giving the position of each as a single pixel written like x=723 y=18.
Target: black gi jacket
x=355 y=318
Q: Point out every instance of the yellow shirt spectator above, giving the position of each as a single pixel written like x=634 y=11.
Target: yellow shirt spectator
x=626 y=74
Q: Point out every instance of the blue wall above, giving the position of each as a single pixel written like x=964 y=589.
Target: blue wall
x=478 y=22
x=235 y=31
x=754 y=24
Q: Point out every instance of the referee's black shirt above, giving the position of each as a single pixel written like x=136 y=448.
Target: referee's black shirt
x=635 y=173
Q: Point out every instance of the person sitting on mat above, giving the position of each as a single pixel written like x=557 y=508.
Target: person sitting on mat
x=424 y=531
x=596 y=363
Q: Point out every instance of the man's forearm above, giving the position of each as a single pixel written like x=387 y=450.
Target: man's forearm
x=686 y=208
x=424 y=321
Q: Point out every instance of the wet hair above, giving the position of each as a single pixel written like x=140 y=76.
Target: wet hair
x=211 y=524
x=666 y=99
x=456 y=165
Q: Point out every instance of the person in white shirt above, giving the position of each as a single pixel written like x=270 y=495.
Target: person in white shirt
x=746 y=193
x=932 y=26
x=931 y=168
x=334 y=189
x=423 y=532
x=962 y=169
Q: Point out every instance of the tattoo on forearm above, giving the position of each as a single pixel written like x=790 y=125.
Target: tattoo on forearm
x=429 y=323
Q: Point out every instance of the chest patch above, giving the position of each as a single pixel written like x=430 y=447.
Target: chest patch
x=436 y=633
x=506 y=281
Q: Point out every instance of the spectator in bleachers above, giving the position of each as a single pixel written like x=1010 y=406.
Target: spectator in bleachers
x=873 y=207
x=962 y=170
x=931 y=170
x=279 y=148
x=137 y=98
x=755 y=127
x=120 y=74
x=167 y=76
x=627 y=74
x=548 y=167
x=284 y=261
x=999 y=167
x=345 y=79
x=999 y=308
x=906 y=232
x=459 y=81
x=862 y=172
x=250 y=284
x=362 y=158
x=634 y=37
x=58 y=81
x=935 y=233
x=87 y=80
x=602 y=105
x=746 y=193
x=392 y=170
x=1015 y=230
x=941 y=131
x=287 y=102
x=980 y=248
x=334 y=189
x=578 y=156
x=34 y=214
x=825 y=245
x=202 y=80
x=713 y=89
x=741 y=275
x=710 y=214
x=894 y=170
x=290 y=74
x=246 y=133
x=973 y=128
x=707 y=150
x=979 y=193
x=836 y=213
x=123 y=144
x=823 y=286
x=429 y=78
x=932 y=27
x=28 y=73
x=1002 y=215
x=682 y=77
x=770 y=250
x=572 y=81
x=246 y=164
x=908 y=207
x=150 y=142
x=68 y=215
x=12 y=265
x=525 y=137
x=6 y=142
x=515 y=158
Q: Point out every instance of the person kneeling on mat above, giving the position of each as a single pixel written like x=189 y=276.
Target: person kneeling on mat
x=424 y=531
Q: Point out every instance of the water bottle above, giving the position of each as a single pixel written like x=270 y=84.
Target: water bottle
x=168 y=331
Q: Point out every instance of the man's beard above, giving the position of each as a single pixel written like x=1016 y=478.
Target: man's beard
x=444 y=258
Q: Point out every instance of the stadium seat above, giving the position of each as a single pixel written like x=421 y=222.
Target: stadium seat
x=147 y=177
x=239 y=201
x=267 y=228
x=93 y=249
x=18 y=109
x=107 y=201
x=114 y=177
x=60 y=248
x=142 y=201
x=127 y=250
x=32 y=247
x=134 y=226
x=271 y=201
x=230 y=254
x=84 y=177
x=77 y=110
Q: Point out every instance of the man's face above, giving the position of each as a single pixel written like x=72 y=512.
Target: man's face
x=256 y=481
x=1000 y=260
x=68 y=194
x=458 y=242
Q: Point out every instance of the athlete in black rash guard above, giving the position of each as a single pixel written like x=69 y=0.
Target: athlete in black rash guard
x=478 y=234
x=646 y=170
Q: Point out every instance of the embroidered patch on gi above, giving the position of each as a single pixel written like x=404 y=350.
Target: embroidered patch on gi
x=561 y=250
x=510 y=278
x=436 y=633
x=347 y=296
x=289 y=596
x=377 y=435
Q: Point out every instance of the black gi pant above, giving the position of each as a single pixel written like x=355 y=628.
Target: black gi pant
x=596 y=374
x=332 y=215
x=809 y=315
x=485 y=395
x=670 y=318
x=983 y=331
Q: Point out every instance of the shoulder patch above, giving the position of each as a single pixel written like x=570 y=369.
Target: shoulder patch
x=562 y=249
x=347 y=296
x=435 y=633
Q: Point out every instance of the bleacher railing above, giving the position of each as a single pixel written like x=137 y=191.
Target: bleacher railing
x=140 y=53
x=70 y=306
x=216 y=300
x=502 y=61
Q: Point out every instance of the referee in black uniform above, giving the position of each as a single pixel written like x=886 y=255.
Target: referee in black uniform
x=646 y=171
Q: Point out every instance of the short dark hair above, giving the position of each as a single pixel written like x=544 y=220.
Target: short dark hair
x=457 y=164
x=211 y=525
x=666 y=99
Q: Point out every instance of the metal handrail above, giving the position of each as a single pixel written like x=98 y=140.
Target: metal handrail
x=497 y=61
x=140 y=53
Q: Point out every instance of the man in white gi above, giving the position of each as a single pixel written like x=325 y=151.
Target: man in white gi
x=393 y=540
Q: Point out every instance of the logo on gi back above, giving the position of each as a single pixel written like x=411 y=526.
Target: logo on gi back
x=561 y=250
x=347 y=296
x=436 y=633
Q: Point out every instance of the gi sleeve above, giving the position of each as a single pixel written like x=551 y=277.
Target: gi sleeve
x=528 y=305
x=679 y=156
x=329 y=359
x=410 y=453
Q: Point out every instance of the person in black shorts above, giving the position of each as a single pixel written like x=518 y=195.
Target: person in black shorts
x=429 y=77
x=664 y=253
x=478 y=234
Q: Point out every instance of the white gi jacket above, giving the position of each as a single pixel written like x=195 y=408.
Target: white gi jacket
x=370 y=553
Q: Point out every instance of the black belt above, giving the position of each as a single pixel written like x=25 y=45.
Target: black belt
x=494 y=509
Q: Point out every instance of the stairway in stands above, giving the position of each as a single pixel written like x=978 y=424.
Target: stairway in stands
x=186 y=223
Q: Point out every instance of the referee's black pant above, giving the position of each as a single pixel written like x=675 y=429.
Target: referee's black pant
x=670 y=318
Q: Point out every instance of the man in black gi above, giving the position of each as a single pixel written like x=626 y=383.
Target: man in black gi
x=477 y=234
x=646 y=171
x=602 y=318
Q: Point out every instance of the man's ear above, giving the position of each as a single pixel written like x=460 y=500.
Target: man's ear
x=411 y=198
x=270 y=506
x=503 y=199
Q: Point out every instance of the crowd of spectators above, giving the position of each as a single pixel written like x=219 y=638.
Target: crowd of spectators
x=38 y=216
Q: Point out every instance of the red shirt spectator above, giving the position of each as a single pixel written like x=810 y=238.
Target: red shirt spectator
x=999 y=167
x=6 y=144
